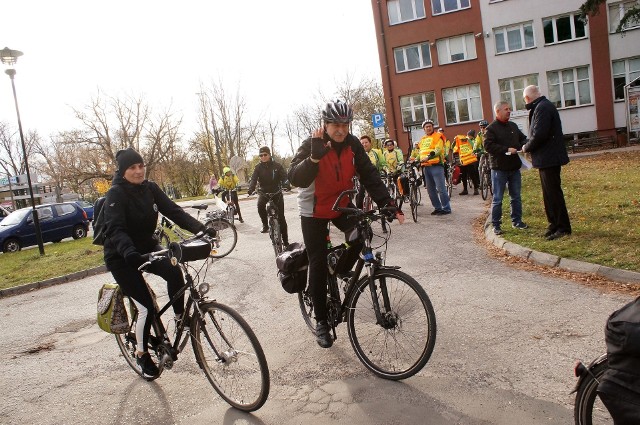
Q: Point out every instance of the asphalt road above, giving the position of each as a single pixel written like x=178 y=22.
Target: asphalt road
x=507 y=340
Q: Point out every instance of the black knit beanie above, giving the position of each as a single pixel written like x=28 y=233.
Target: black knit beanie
x=126 y=158
x=264 y=149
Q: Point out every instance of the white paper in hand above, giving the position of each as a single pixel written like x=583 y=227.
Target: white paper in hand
x=526 y=165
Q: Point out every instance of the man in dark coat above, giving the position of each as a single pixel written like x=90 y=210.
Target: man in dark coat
x=548 y=153
x=271 y=176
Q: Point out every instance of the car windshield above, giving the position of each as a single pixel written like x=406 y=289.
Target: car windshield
x=15 y=217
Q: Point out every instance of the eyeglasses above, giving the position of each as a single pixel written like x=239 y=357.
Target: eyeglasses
x=264 y=154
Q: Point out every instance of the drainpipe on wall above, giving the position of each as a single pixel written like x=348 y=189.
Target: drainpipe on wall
x=386 y=70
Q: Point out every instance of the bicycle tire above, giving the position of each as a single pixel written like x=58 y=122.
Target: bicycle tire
x=485 y=184
x=242 y=379
x=127 y=342
x=413 y=202
x=588 y=404
x=449 y=181
x=231 y=212
x=226 y=239
x=275 y=236
x=402 y=346
x=306 y=308
x=392 y=191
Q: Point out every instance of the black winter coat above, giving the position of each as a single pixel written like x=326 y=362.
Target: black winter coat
x=546 y=142
x=130 y=218
x=270 y=175
x=499 y=137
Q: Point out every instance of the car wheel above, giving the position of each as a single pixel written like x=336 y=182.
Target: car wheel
x=79 y=232
x=12 y=245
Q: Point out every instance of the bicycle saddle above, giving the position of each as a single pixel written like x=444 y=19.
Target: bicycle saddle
x=200 y=207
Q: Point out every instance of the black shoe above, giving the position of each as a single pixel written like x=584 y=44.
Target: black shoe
x=323 y=335
x=464 y=192
x=497 y=231
x=557 y=235
x=265 y=229
x=475 y=192
x=436 y=212
x=187 y=322
x=149 y=368
x=549 y=233
x=241 y=220
x=444 y=212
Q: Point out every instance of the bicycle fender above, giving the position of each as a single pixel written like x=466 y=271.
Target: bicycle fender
x=585 y=371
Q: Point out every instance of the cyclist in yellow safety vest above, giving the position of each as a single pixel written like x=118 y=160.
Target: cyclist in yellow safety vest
x=230 y=181
x=394 y=160
x=431 y=151
x=478 y=145
x=463 y=150
x=377 y=159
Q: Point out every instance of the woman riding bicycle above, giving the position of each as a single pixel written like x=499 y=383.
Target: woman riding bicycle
x=229 y=183
x=324 y=167
x=131 y=212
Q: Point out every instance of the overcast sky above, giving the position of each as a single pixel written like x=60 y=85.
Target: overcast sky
x=279 y=52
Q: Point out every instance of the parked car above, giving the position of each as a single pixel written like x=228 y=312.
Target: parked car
x=57 y=221
x=87 y=207
x=3 y=213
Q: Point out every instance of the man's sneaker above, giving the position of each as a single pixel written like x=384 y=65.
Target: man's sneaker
x=323 y=334
x=265 y=229
x=497 y=231
x=149 y=368
x=520 y=225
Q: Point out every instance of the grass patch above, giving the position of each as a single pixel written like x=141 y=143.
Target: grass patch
x=26 y=266
x=603 y=199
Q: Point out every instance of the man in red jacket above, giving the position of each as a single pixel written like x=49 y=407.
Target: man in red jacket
x=323 y=168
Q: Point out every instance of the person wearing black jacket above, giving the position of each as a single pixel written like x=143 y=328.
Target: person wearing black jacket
x=324 y=167
x=130 y=215
x=271 y=177
x=548 y=154
x=502 y=140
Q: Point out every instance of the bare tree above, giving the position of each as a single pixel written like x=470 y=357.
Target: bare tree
x=630 y=18
x=11 y=155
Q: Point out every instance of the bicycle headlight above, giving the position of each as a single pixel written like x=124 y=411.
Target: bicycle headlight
x=203 y=288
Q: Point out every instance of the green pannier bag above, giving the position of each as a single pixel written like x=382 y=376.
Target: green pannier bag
x=112 y=315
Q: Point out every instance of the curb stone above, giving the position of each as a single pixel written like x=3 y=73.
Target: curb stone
x=16 y=290
x=616 y=275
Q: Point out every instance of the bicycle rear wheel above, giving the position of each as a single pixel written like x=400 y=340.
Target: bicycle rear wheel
x=231 y=357
x=588 y=408
x=413 y=202
x=449 y=181
x=401 y=345
x=306 y=308
x=226 y=239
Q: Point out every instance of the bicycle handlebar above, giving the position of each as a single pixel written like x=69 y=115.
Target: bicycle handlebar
x=157 y=255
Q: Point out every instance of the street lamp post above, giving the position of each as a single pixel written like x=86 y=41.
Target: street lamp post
x=9 y=57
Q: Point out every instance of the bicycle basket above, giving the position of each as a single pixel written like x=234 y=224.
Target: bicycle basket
x=195 y=249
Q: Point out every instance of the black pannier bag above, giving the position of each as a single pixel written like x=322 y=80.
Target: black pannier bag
x=292 y=268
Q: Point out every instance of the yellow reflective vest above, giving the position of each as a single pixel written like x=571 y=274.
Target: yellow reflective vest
x=464 y=148
x=432 y=143
x=228 y=182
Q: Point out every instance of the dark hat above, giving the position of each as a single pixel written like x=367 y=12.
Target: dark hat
x=265 y=149
x=471 y=133
x=126 y=158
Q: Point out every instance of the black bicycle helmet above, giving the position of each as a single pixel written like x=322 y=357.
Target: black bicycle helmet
x=427 y=121
x=483 y=123
x=337 y=112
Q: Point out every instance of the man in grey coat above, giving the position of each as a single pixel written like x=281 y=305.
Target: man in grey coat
x=548 y=153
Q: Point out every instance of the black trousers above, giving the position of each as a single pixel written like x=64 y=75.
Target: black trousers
x=553 y=197
x=470 y=170
x=134 y=286
x=315 y=232
x=262 y=210
x=234 y=199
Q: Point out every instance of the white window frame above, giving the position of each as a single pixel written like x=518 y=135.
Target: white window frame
x=515 y=95
x=444 y=51
x=471 y=101
x=617 y=11
x=441 y=2
x=628 y=75
x=394 y=11
x=572 y=19
x=574 y=82
x=523 y=40
x=422 y=48
x=429 y=109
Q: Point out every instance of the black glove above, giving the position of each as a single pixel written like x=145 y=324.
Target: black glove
x=432 y=155
x=134 y=259
x=390 y=211
x=318 y=148
x=211 y=232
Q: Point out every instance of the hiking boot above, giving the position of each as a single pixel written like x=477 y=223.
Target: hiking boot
x=475 y=192
x=323 y=335
x=265 y=229
x=149 y=368
x=520 y=225
x=497 y=230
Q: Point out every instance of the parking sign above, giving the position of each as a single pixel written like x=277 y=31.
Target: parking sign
x=378 y=120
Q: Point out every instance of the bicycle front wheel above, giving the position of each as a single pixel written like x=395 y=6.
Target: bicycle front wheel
x=588 y=409
x=401 y=345
x=306 y=308
x=231 y=212
x=276 y=236
x=226 y=239
x=413 y=201
x=231 y=357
